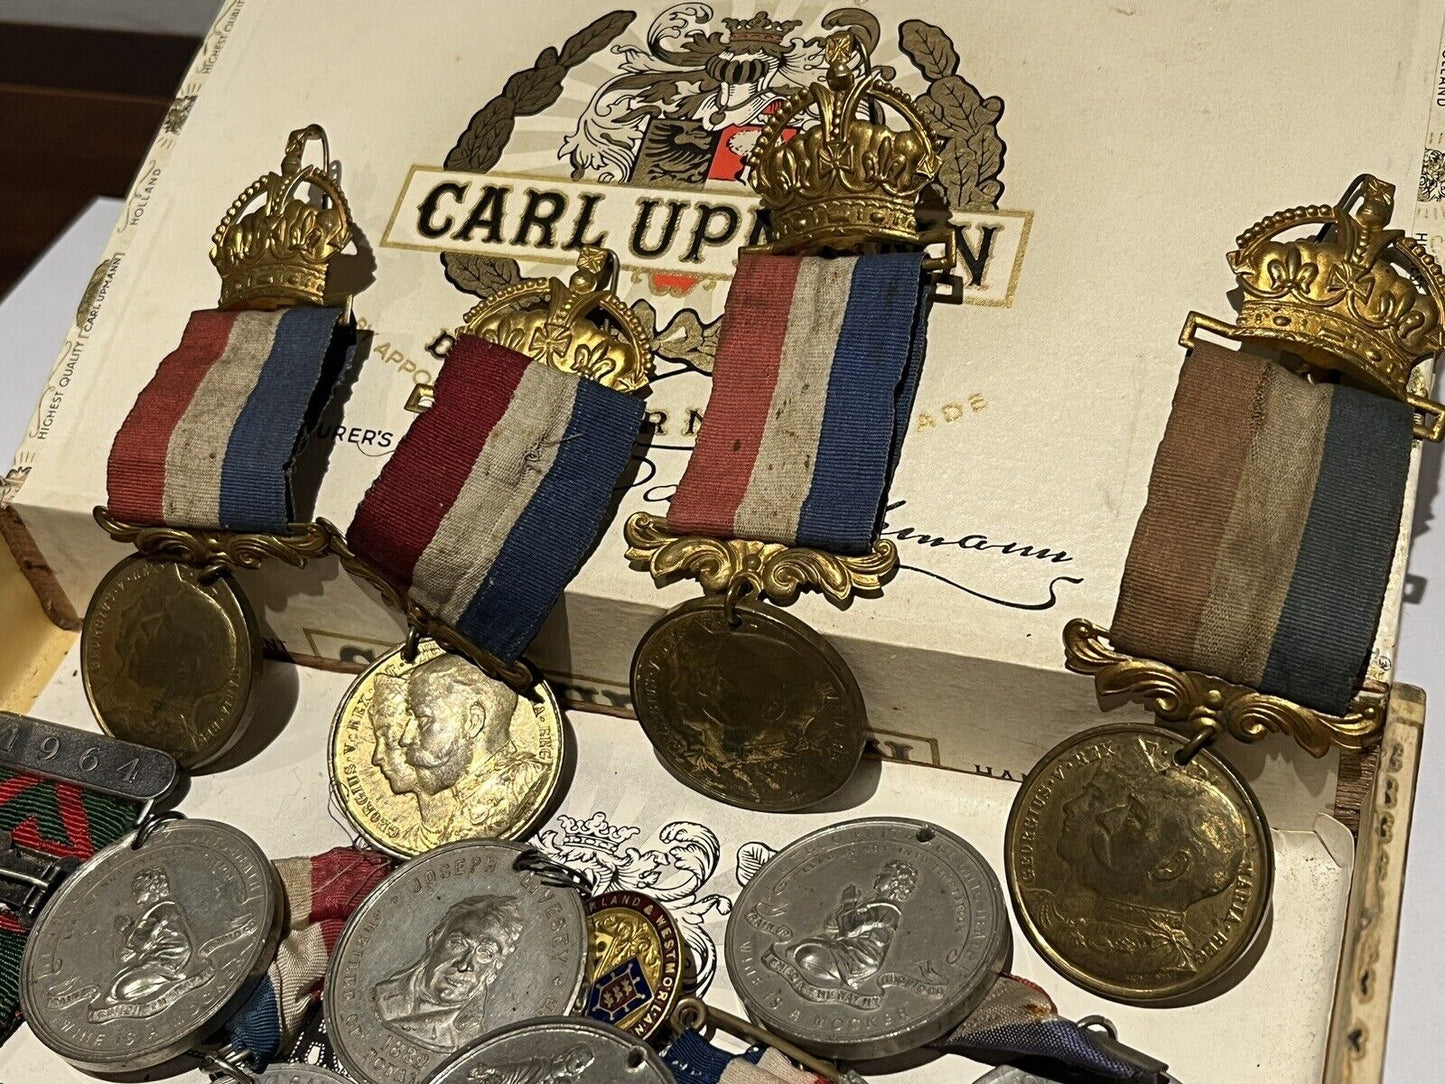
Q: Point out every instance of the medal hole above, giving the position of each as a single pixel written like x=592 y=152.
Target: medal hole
x=634 y=1060
x=925 y=834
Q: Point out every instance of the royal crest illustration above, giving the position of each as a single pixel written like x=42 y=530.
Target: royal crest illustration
x=678 y=107
x=675 y=873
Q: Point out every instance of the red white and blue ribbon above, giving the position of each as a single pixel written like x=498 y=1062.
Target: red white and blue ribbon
x=494 y=496
x=321 y=892
x=211 y=439
x=817 y=365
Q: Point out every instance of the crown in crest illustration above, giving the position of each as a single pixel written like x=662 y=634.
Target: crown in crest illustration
x=848 y=178
x=595 y=833
x=1356 y=298
x=758 y=30
x=275 y=253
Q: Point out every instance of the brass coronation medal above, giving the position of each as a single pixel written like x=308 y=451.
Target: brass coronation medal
x=1137 y=877
x=168 y=658
x=473 y=529
x=758 y=711
x=433 y=750
x=820 y=349
x=199 y=475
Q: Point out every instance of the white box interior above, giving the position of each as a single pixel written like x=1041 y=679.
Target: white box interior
x=1270 y=1028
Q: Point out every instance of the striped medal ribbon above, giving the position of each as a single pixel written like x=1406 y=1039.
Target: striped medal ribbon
x=817 y=366
x=818 y=362
x=1265 y=546
x=321 y=893
x=495 y=494
x=211 y=439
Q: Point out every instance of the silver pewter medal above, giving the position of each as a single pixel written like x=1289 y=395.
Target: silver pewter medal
x=299 y=1074
x=560 y=1050
x=454 y=944
x=868 y=938
x=146 y=950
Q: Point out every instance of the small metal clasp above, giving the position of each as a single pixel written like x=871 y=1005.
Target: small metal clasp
x=693 y=1014
x=28 y=877
x=552 y=872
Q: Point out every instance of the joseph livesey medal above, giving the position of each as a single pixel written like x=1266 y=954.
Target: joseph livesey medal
x=818 y=360
x=455 y=944
x=473 y=528
x=199 y=475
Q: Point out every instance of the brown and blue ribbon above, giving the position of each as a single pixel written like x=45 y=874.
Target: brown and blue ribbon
x=1264 y=549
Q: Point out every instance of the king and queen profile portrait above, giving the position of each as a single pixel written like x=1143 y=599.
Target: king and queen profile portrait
x=1142 y=882
x=444 y=736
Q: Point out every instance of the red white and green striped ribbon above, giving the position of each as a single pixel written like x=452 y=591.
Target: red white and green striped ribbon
x=60 y=820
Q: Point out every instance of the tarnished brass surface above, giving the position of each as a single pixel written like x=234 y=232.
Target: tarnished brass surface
x=635 y=963
x=748 y=705
x=1136 y=877
x=169 y=654
x=773 y=571
x=430 y=751
x=579 y=327
x=1206 y=702
x=276 y=254
x=219 y=549
x=1357 y=298
x=845 y=179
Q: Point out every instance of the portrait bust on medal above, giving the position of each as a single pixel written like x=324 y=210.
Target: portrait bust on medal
x=1136 y=867
x=440 y=999
x=443 y=735
x=1142 y=877
x=432 y=750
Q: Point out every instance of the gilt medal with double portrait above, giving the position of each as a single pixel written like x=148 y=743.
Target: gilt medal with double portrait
x=452 y=945
x=432 y=750
x=1138 y=877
